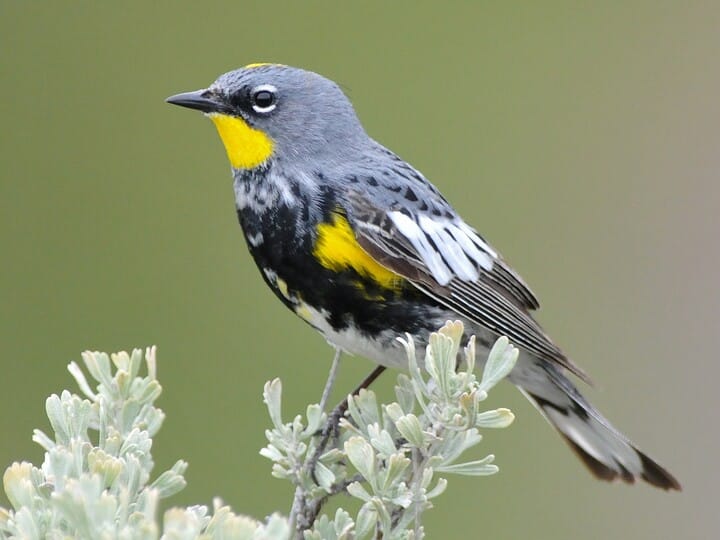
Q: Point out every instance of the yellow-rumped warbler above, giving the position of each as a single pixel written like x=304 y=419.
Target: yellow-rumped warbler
x=362 y=247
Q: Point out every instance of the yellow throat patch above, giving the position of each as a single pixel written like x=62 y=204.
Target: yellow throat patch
x=246 y=147
x=337 y=249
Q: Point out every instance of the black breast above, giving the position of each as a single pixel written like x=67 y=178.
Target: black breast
x=286 y=251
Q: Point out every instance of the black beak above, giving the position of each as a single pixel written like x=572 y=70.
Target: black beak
x=202 y=100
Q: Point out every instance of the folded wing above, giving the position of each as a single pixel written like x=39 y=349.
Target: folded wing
x=447 y=260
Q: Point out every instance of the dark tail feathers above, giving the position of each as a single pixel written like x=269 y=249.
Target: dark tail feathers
x=606 y=452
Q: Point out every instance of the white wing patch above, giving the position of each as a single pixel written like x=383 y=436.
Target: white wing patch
x=449 y=249
x=412 y=231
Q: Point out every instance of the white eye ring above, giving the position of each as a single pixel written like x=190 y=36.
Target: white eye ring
x=269 y=92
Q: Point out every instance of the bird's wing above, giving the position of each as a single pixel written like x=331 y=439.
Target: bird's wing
x=448 y=261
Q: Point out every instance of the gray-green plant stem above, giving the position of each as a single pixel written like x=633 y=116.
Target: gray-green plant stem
x=299 y=506
x=331 y=426
x=303 y=512
x=449 y=401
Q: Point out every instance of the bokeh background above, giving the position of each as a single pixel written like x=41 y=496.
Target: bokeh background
x=582 y=138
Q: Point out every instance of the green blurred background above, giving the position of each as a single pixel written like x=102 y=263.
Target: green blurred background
x=582 y=138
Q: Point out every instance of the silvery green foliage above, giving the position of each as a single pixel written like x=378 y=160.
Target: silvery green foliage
x=389 y=456
x=95 y=480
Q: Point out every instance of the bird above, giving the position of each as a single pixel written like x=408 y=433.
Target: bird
x=360 y=245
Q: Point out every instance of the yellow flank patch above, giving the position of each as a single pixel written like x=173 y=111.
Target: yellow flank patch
x=337 y=249
x=246 y=147
x=303 y=311
x=282 y=286
x=257 y=65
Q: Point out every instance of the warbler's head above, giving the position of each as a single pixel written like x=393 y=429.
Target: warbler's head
x=271 y=111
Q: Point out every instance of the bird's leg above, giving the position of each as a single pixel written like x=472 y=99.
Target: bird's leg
x=331 y=378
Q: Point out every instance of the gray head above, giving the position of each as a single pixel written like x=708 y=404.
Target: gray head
x=271 y=111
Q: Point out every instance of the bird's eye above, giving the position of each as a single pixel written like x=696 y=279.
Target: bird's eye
x=264 y=98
